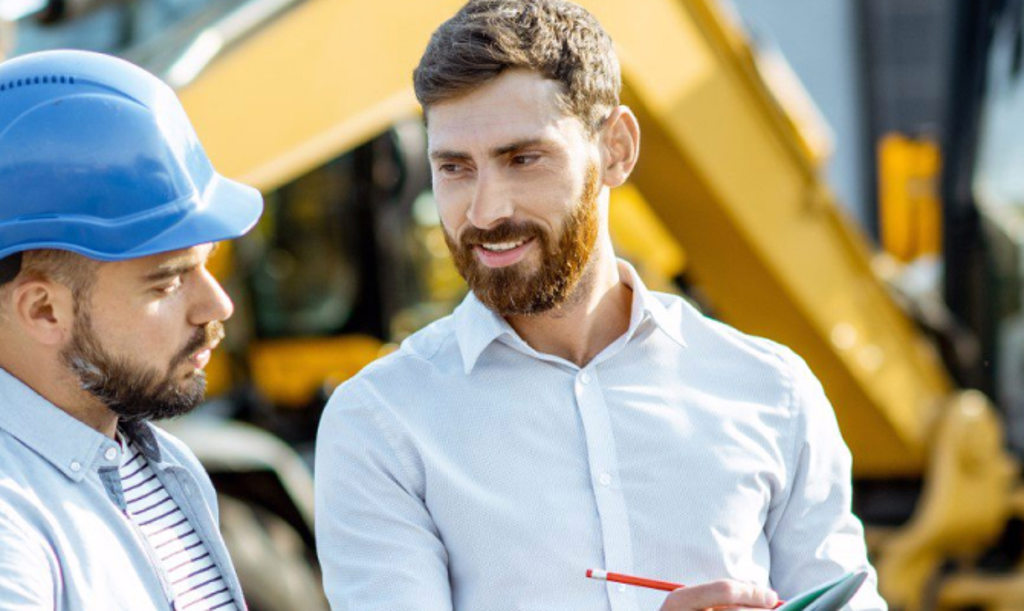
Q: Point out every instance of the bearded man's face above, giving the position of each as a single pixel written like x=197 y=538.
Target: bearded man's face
x=517 y=182
x=131 y=389
x=525 y=287
x=144 y=330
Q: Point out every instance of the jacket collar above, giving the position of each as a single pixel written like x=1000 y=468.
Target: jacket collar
x=70 y=445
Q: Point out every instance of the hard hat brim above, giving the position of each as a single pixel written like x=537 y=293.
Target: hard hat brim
x=225 y=210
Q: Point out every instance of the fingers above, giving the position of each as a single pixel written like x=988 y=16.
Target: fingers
x=720 y=595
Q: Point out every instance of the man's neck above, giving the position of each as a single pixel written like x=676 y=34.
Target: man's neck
x=592 y=318
x=53 y=382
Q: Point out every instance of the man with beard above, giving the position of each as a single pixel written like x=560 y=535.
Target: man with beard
x=110 y=211
x=564 y=416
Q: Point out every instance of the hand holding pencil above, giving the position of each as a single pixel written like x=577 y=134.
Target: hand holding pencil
x=724 y=594
x=721 y=595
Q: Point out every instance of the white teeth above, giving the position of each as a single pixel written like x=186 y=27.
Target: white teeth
x=502 y=246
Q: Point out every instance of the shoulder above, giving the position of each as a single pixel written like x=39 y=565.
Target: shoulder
x=15 y=526
x=28 y=577
x=382 y=406
x=27 y=481
x=758 y=370
x=423 y=356
x=12 y=455
x=723 y=345
x=27 y=570
x=433 y=345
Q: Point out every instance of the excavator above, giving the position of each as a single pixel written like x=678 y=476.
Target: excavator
x=311 y=102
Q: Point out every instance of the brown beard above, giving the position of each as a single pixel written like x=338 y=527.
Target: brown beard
x=511 y=290
x=132 y=391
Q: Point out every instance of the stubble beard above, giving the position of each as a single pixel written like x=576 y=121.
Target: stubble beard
x=514 y=291
x=132 y=391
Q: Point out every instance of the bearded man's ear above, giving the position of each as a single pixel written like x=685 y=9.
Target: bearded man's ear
x=44 y=310
x=620 y=146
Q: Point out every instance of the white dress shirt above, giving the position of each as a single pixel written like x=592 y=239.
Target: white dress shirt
x=468 y=471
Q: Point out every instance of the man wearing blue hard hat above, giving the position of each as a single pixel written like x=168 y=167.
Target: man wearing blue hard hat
x=109 y=210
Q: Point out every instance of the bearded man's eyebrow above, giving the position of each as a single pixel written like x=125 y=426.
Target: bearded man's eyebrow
x=498 y=151
x=445 y=155
x=172 y=269
x=180 y=265
x=518 y=145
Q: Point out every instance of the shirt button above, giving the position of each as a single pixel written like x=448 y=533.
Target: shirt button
x=622 y=587
x=110 y=454
x=605 y=479
x=585 y=377
x=76 y=466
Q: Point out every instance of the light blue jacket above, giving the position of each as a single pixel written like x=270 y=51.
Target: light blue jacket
x=65 y=541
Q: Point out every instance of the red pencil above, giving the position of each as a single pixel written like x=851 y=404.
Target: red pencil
x=654 y=584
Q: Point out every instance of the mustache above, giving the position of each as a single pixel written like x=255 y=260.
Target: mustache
x=507 y=231
x=207 y=335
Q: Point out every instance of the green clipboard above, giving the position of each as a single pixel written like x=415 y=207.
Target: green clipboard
x=830 y=596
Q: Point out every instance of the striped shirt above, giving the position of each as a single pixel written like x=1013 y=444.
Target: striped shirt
x=186 y=563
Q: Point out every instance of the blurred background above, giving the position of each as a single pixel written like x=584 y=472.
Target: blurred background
x=843 y=176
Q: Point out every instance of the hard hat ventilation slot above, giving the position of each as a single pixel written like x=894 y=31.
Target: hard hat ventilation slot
x=52 y=79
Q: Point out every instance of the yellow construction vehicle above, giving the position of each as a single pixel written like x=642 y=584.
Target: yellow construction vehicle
x=311 y=102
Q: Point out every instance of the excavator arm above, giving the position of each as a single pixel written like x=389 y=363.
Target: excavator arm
x=723 y=168
x=729 y=175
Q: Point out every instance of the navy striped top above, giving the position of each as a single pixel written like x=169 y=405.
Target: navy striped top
x=194 y=578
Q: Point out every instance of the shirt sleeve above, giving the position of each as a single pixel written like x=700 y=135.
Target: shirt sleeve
x=813 y=534
x=378 y=547
x=26 y=576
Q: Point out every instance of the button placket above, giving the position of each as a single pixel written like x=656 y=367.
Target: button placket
x=603 y=470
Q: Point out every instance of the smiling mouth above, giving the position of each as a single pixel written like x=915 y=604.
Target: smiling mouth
x=502 y=254
x=502 y=246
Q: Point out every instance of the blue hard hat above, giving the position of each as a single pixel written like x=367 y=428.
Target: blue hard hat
x=98 y=157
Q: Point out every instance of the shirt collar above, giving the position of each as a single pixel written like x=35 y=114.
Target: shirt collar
x=476 y=325
x=142 y=434
x=67 y=443
x=646 y=304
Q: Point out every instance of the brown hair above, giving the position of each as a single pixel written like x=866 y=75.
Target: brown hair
x=75 y=271
x=555 y=38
